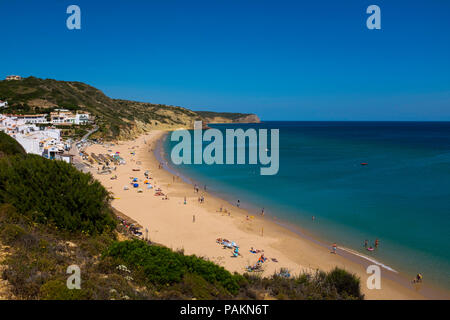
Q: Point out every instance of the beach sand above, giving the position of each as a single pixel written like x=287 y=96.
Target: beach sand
x=170 y=222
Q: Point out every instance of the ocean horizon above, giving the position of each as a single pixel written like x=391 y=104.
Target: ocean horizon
x=401 y=197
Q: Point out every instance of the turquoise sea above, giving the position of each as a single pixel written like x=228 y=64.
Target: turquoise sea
x=401 y=197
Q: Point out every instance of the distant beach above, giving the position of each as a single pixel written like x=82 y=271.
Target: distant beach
x=399 y=196
x=194 y=227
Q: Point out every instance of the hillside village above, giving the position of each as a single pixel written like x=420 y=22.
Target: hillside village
x=44 y=141
x=47 y=117
x=41 y=133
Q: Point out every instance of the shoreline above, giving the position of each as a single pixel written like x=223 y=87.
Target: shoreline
x=291 y=247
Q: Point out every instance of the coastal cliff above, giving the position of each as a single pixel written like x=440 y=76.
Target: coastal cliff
x=116 y=118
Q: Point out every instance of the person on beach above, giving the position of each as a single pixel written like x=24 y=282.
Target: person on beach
x=376 y=243
x=334 y=248
x=262 y=212
x=418 y=278
x=193 y=218
x=184 y=200
x=238 y=203
x=366 y=243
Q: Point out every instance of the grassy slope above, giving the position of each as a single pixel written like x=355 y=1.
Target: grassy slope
x=9 y=146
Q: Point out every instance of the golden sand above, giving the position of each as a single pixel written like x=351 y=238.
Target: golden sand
x=171 y=222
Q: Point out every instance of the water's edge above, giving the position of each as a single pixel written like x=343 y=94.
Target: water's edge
x=401 y=278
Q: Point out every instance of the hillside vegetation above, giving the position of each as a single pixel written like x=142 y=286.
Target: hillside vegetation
x=9 y=146
x=116 y=118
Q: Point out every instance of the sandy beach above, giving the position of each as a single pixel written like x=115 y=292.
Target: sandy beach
x=194 y=226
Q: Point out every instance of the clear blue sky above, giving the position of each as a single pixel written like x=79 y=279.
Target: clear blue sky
x=284 y=60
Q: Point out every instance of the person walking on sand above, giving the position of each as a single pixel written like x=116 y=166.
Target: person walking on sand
x=193 y=218
x=262 y=212
x=238 y=203
x=334 y=248
x=185 y=200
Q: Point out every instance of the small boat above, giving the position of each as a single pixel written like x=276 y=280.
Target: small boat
x=364 y=163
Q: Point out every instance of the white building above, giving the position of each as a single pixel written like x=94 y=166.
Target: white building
x=46 y=143
x=32 y=118
x=82 y=118
x=3 y=104
x=63 y=116
x=9 y=78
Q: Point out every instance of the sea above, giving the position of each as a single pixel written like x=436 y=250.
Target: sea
x=360 y=180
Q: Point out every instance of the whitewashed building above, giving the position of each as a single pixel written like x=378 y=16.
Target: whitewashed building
x=33 y=118
x=46 y=143
x=3 y=104
x=13 y=77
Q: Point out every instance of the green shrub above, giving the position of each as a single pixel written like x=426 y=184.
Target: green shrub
x=55 y=193
x=9 y=146
x=162 y=266
x=345 y=283
x=57 y=290
x=9 y=233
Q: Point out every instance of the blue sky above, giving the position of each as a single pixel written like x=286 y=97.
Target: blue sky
x=284 y=60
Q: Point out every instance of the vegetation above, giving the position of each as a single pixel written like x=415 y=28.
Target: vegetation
x=52 y=216
x=161 y=266
x=56 y=193
x=9 y=146
x=115 y=117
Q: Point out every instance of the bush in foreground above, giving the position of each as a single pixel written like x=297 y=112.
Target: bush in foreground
x=161 y=266
x=55 y=193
